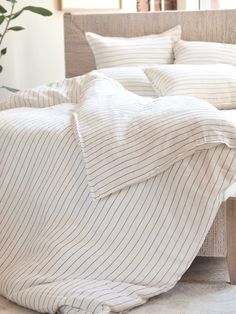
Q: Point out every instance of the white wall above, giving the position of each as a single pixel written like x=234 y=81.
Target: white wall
x=129 y=5
x=205 y=4
x=188 y=5
x=36 y=55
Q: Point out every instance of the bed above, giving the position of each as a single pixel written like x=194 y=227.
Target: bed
x=106 y=196
x=200 y=25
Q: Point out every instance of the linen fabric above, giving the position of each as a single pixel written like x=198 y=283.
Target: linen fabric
x=214 y=83
x=62 y=250
x=200 y=52
x=131 y=78
x=133 y=51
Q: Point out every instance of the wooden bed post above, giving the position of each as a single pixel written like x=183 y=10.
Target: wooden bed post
x=231 y=238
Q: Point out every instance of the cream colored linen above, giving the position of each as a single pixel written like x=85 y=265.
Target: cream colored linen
x=61 y=250
x=215 y=83
x=131 y=78
x=201 y=52
x=134 y=51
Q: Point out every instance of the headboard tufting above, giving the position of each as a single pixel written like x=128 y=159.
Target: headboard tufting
x=218 y=26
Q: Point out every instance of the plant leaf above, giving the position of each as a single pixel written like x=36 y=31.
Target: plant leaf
x=3 y=51
x=12 y=1
x=2 y=10
x=13 y=90
x=37 y=10
x=1 y=68
x=2 y=18
x=16 y=28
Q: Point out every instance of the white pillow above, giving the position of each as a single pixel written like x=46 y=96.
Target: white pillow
x=214 y=83
x=134 y=51
x=200 y=52
x=132 y=79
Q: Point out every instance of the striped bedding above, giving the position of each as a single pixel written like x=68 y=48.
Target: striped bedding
x=200 y=52
x=65 y=249
x=215 y=83
x=134 y=51
x=131 y=78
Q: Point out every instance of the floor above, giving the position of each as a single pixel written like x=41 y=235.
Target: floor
x=204 y=289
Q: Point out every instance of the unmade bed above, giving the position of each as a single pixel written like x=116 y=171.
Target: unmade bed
x=106 y=196
x=201 y=26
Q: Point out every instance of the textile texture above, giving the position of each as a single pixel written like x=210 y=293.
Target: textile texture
x=64 y=249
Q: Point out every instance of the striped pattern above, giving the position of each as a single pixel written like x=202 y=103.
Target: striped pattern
x=133 y=51
x=214 y=83
x=60 y=250
x=131 y=78
x=200 y=52
x=127 y=138
x=45 y=95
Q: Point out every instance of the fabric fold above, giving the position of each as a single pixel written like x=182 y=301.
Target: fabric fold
x=62 y=251
x=127 y=138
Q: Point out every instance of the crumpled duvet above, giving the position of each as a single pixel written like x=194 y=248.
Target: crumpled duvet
x=160 y=168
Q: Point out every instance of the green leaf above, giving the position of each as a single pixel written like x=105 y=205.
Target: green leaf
x=2 y=10
x=1 y=68
x=3 y=51
x=37 y=10
x=12 y=1
x=16 y=28
x=13 y=90
x=2 y=18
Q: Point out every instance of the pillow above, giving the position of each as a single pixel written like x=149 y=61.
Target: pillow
x=214 y=83
x=134 y=51
x=132 y=79
x=200 y=52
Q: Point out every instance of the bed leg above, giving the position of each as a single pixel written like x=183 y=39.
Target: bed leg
x=231 y=238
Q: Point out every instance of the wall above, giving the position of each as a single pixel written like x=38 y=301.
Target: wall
x=206 y=4
x=188 y=5
x=129 y=5
x=35 y=55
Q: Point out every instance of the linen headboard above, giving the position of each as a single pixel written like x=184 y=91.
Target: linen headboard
x=218 y=26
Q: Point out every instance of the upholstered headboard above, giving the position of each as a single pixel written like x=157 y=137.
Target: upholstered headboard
x=218 y=26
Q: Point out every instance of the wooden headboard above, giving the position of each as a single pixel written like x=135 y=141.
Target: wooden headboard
x=218 y=26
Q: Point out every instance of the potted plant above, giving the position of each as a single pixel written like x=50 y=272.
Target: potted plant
x=8 y=15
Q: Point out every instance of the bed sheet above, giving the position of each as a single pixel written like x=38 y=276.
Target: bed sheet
x=63 y=251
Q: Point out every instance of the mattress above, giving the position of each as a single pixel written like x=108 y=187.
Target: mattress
x=231 y=191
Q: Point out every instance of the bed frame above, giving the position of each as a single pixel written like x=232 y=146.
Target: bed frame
x=218 y=26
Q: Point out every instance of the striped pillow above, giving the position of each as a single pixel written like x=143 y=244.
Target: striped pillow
x=134 y=51
x=131 y=78
x=200 y=52
x=214 y=83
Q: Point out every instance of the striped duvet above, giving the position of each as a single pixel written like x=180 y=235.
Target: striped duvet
x=67 y=247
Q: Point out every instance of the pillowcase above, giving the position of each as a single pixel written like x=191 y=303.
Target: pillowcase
x=214 y=83
x=200 y=52
x=132 y=79
x=134 y=51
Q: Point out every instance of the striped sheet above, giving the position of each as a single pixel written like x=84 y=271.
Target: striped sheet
x=131 y=78
x=127 y=138
x=200 y=52
x=214 y=83
x=61 y=250
x=134 y=51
